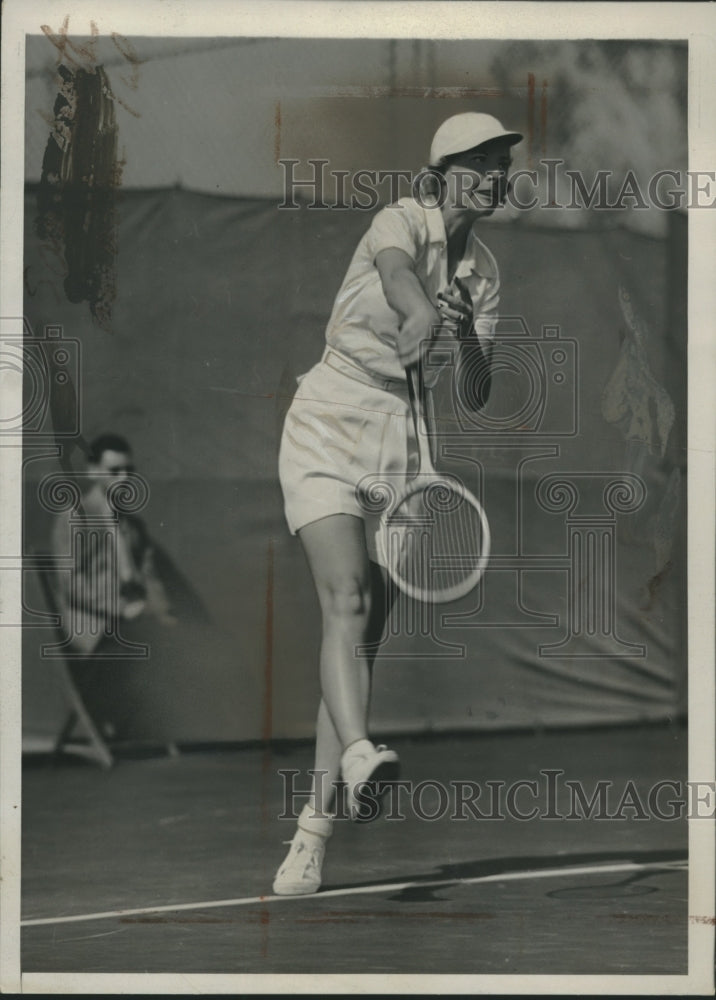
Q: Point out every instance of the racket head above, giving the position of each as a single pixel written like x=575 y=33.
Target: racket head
x=435 y=539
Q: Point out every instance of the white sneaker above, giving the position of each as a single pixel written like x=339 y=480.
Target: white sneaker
x=366 y=769
x=300 y=873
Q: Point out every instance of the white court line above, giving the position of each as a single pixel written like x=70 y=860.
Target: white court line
x=628 y=866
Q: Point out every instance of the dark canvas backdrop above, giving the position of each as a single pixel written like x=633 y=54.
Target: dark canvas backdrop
x=220 y=304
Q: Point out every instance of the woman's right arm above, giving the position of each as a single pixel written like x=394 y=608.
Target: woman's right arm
x=404 y=293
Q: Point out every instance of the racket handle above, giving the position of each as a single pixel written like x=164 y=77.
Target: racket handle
x=416 y=395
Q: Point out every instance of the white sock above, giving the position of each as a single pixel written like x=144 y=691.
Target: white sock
x=314 y=824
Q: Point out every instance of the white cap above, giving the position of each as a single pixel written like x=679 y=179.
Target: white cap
x=465 y=131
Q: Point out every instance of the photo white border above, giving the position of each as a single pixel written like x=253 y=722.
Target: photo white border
x=695 y=22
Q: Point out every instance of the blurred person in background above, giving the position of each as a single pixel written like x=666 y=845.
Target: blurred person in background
x=105 y=589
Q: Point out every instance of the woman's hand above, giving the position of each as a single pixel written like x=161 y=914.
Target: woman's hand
x=455 y=308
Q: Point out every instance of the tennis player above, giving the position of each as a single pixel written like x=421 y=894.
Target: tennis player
x=420 y=270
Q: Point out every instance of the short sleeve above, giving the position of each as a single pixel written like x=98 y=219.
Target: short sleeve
x=396 y=227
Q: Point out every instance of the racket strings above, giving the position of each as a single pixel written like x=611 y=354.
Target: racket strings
x=436 y=540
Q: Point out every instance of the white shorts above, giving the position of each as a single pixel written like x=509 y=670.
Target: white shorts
x=344 y=427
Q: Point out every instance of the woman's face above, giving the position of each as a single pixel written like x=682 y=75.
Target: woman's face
x=477 y=180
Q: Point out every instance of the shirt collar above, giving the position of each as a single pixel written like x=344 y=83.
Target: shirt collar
x=480 y=259
x=478 y=256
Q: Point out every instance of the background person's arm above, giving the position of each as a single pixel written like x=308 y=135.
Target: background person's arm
x=157 y=598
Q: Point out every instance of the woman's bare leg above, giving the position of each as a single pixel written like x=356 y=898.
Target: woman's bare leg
x=352 y=594
x=329 y=746
x=337 y=555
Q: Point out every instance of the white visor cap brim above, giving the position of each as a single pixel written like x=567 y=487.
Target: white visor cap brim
x=465 y=131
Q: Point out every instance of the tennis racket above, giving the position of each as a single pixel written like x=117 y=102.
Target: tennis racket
x=435 y=538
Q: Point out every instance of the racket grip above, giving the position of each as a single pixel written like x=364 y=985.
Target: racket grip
x=416 y=395
x=412 y=373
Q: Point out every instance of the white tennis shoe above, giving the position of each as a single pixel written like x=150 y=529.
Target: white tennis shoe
x=366 y=770
x=300 y=873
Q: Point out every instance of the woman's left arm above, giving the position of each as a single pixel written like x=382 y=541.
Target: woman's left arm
x=475 y=336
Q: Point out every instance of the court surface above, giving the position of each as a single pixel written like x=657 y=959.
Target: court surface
x=164 y=864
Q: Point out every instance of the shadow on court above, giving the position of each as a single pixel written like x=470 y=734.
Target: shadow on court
x=505 y=866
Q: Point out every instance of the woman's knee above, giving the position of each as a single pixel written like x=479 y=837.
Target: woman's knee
x=346 y=596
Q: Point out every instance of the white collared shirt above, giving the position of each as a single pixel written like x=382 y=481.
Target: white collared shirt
x=363 y=326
